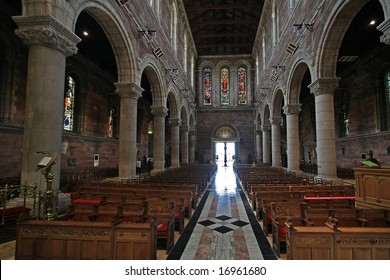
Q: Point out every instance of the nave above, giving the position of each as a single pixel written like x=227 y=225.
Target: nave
x=224 y=226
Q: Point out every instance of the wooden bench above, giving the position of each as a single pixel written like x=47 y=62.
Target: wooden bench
x=164 y=212
x=282 y=212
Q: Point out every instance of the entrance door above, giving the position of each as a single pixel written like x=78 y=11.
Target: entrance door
x=220 y=152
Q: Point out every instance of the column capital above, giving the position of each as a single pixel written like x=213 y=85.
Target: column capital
x=276 y=120
x=192 y=133
x=324 y=86
x=259 y=131
x=174 y=122
x=384 y=27
x=128 y=90
x=184 y=128
x=265 y=127
x=46 y=31
x=159 y=111
x=292 y=109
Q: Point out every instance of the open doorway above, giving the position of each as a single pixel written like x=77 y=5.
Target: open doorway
x=220 y=153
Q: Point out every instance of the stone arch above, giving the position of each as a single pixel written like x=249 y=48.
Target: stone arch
x=225 y=131
x=277 y=103
x=331 y=38
x=115 y=27
x=294 y=81
x=174 y=102
x=151 y=69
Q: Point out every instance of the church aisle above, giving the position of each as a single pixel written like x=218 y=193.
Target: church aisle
x=223 y=227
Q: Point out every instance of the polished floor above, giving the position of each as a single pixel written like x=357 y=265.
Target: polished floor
x=223 y=227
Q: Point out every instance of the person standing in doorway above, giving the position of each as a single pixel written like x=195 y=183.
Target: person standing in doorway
x=149 y=165
x=138 y=167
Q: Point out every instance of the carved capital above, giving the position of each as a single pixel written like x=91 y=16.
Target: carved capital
x=128 y=90
x=184 y=128
x=384 y=27
x=159 y=111
x=276 y=120
x=174 y=122
x=324 y=86
x=46 y=31
x=265 y=127
x=292 y=109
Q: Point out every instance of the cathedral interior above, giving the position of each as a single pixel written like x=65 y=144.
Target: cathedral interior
x=90 y=88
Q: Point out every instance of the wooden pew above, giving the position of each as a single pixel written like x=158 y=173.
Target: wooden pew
x=282 y=212
x=164 y=211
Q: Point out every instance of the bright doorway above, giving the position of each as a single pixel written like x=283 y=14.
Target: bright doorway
x=220 y=152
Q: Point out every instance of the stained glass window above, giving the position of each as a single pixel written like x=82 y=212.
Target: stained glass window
x=242 y=91
x=388 y=86
x=224 y=86
x=111 y=123
x=69 y=104
x=207 y=86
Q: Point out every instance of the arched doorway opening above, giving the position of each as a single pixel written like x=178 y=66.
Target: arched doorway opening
x=225 y=143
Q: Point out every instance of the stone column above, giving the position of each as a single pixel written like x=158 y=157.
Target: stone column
x=323 y=90
x=159 y=114
x=291 y=111
x=259 y=148
x=175 y=142
x=276 y=151
x=266 y=143
x=192 y=140
x=129 y=94
x=384 y=27
x=49 y=44
x=184 y=144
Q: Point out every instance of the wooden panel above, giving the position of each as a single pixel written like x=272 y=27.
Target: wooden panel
x=79 y=240
x=373 y=185
x=57 y=248
x=382 y=254
x=72 y=250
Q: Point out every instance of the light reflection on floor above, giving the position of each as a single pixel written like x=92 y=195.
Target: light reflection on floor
x=225 y=180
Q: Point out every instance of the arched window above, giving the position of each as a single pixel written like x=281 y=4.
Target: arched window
x=174 y=28
x=185 y=53
x=225 y=86
x=111 y=123
x=242 y=88
x=207 y=86
x=387 y=101
x=70 y=90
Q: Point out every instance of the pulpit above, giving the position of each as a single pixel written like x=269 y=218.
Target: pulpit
x=372 y=187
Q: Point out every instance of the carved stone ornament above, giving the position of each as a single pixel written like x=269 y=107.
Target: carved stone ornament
x=324 y=86
x=292 y=109
x=46 y=31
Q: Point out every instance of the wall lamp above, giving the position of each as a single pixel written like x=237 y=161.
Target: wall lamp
x=148 y=31
x=278 y=67
x=172 y=71
x=303 y=24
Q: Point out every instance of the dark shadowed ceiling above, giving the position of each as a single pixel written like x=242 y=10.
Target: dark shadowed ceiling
x=223 y=27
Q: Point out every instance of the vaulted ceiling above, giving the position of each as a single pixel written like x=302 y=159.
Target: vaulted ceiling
x=223 y=27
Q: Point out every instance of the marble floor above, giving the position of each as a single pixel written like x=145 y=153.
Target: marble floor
x=223 y=227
